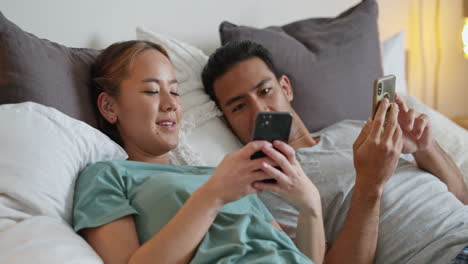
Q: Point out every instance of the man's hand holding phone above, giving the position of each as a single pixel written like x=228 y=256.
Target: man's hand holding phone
x=376 y=153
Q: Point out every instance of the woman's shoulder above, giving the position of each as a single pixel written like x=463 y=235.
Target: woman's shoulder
x=114 y=169
x=120 y=168
x=101 y=166
x=101 y=171
x=117 y=165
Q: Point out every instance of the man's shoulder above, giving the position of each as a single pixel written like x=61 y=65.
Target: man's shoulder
x=339 y=135
x=343 y=127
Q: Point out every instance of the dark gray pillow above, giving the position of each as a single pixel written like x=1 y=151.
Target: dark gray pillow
x=332 y=62
x=38 y=70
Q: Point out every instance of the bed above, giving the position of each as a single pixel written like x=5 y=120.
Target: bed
x=48 y=133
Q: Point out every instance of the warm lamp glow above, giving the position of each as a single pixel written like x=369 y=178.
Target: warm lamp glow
x=465 y=37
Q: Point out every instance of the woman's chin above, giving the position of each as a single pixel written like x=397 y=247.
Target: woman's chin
x=171 y=144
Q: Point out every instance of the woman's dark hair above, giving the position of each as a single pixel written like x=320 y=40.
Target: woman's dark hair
x=227 y=56
x=109 y=70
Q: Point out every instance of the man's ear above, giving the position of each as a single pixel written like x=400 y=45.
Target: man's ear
x=285 y=85
x=107 y=106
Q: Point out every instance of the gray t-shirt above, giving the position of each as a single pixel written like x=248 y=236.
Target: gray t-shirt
x=420 y=220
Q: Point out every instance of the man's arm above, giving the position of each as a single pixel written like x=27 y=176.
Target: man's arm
x=376 y=156
x=429 y=156
x=437 y=162
x=357 y=241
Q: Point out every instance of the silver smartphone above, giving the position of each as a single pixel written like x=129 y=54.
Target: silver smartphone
x=384 y=87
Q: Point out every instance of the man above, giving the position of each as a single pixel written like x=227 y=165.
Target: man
x=377 y=207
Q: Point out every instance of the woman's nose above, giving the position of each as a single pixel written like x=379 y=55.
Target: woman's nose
x=168 y=102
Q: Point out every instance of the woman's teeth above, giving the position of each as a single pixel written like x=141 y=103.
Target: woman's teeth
x=166 y=123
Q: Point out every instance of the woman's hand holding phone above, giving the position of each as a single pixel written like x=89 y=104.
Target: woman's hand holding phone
x=235 y=175
x=291 y=181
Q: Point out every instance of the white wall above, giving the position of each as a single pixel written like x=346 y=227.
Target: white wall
x=96 y=24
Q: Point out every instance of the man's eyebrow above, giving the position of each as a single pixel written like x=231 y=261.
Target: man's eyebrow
x=158 y=81
x=258 y=85
x=233 y=100
x=262 y=82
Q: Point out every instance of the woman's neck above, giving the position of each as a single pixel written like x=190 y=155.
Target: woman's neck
x=137 y=154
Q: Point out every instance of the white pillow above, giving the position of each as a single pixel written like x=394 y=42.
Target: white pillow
x=204 y=136
x=42 y=151
x=42 y=239
x=393 y=59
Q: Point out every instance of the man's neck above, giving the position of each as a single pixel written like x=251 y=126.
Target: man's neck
x=300 y=136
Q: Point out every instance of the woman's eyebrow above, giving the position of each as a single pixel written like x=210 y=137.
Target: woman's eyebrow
x=158 y=81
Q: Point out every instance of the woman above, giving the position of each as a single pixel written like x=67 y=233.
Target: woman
x=144 y=210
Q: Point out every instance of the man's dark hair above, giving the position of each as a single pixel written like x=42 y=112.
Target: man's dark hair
x=229 y=55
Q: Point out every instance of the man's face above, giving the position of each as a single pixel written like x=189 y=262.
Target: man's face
x=247 y=88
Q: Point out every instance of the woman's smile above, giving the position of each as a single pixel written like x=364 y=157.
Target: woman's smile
x=168 y=124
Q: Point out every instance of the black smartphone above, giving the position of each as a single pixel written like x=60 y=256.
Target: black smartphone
x=271 y=126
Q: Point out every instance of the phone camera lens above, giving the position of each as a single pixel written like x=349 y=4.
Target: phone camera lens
x=379 y=89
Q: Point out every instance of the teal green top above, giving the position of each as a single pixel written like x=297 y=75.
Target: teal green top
x=153 y=193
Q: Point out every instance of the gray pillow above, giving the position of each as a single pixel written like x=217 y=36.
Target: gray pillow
x=332 y=62
x=38 y=70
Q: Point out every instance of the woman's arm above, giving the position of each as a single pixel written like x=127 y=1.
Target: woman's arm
x=114 y=242
x=297 y=188
x=178 y=240
x=117 y=242
x=309 y=226
x=310 y=234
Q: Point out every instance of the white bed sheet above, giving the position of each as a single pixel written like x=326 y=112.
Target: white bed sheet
x=42 y=239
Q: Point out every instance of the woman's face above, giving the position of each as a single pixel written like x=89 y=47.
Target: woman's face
x=148 y=106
